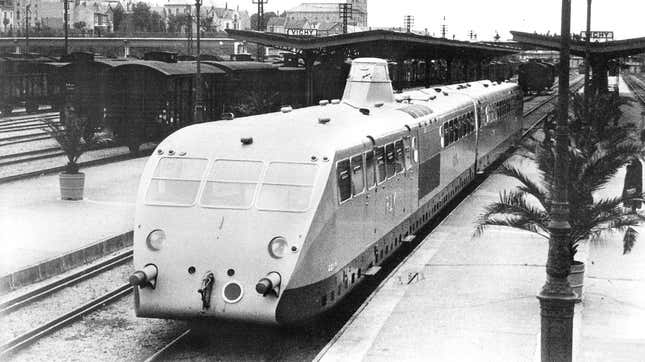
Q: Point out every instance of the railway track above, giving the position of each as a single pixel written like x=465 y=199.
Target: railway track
x=24 y=300
x=637 y=86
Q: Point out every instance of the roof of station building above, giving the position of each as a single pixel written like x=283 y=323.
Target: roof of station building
x=383 y=43
x=609 y=49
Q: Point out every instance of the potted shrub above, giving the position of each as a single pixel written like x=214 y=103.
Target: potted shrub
x=74 y=135
x=596 y=154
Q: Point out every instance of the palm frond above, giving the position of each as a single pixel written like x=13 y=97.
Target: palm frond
x=516 y=211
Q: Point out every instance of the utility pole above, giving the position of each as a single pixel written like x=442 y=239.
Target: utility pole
x=27 y=11
x=260 y=4
x=408 y=20
x=66 y=24
x=472 y=35
x=444 y=28
x=345 y=12
x=587 y=65
x=556 y=297
x=199 y=107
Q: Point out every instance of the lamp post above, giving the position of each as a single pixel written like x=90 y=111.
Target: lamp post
x=587 y=59
x=556 y=297
x=199 y=107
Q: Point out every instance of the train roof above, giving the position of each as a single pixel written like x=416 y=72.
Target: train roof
x=170 y=69
x=240 y=65
x=299 y=134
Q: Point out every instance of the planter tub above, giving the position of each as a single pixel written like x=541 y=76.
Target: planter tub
x=71 y=186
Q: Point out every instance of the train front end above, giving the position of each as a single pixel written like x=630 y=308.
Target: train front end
x=220 y=222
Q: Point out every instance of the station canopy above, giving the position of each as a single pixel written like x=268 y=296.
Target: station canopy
x=607 y=50
x=377 y=43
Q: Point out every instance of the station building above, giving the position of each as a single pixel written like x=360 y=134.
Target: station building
x=329 y=13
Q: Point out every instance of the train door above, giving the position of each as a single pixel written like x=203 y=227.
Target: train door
x=370 y=197
x=409 y=175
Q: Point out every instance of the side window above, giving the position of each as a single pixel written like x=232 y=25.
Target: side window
x=399 y=157
x=357 y=175
x=442 y=132
x=408 y=152
x=380 y=163
x=344 y=180
x=415 y=153
x=370 y=169
x=389 y=160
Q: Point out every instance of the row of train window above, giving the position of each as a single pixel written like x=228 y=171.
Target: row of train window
x=413 y=227
x=499 y=110
x=374 y=167
x=457 y=128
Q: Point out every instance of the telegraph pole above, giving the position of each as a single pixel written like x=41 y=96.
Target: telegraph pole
x=472 y=35
x=444 y=28
x=189 y=30
x=408 y=20
x=27 y=11
x=199 y=107
x=345 y=12
x=260 y=4
x=66 y=21
x=556 y=297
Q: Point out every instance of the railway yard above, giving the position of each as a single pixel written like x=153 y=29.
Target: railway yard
x=92 y=306
x=324 y=204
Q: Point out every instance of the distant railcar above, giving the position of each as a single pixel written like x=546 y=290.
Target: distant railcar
x=536 y=76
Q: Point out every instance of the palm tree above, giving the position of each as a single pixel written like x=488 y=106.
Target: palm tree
x=591 y=167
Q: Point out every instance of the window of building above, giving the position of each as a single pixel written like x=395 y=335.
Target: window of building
x=358 y=184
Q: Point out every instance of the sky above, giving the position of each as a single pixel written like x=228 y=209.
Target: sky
x=624 y=17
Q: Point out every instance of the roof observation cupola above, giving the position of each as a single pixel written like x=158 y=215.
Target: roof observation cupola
x=368 y=83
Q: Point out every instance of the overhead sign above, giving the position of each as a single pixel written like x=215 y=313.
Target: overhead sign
x=302 y=32
x=598 y=35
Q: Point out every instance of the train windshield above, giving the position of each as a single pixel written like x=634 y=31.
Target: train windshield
x=231 y=184
x=287 y=187
x=176 y=181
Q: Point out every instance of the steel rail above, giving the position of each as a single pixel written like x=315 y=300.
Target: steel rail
x=157 y=355
x=9 y=119
x=33 y=156
x=62 y=321
x=24 y=122
x=86 y=273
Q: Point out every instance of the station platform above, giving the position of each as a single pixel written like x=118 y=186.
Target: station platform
x=42 y=235
x=463 y=298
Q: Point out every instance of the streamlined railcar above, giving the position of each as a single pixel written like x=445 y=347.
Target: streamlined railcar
x=275 y=218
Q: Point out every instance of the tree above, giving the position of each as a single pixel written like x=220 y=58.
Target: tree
x=178 y=22
x=267 y=16
x=141 y=16
x=80 y=25
x=591 y=167
x=156 y=22
x=118 y=15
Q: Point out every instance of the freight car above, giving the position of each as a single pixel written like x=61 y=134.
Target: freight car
x=536 y=76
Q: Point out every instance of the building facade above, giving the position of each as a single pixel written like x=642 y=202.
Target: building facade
x=329 y=13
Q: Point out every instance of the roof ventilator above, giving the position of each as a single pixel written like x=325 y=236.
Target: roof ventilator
x=335 y=101
x=323 y=102
x=368 y=83
x=364 y=111
x=286 y=109
x=324 y=120
x=246 y=140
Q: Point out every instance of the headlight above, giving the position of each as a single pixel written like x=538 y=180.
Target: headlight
x=155 y=239
x=278 y=247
